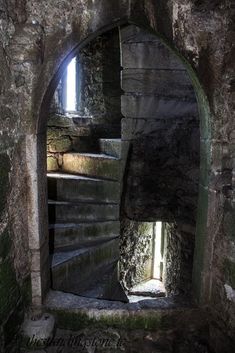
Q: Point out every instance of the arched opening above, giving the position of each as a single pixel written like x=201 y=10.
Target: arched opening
x=154 y=220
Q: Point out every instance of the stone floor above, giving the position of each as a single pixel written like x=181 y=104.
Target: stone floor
x=155 y=325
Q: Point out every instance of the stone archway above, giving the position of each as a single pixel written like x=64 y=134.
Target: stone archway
x=47 y=82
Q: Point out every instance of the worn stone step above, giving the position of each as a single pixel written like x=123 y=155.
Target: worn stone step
x=94 y=165
x=98 y=285
x=66 y=187
x=104 y=284
x=75 y=312
x=75 y=234
x=64 y=211
x=112 y=147
x=69 y=269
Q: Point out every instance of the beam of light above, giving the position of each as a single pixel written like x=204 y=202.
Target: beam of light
x=71 y=86
x=157 y=251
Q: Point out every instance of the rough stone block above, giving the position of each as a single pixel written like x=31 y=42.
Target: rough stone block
x=134 y=34
x=166 y=83
x=157 y=107
x=95 y=165
x=62 y=211
x=138 y=128
x=71 y=269
x=69 y=234
x=52 y=164
x=154 y=55
x=59 y=121
x=72 y=188
x=63 y=144
x=111 y=147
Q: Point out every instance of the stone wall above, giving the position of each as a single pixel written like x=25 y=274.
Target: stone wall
x=100 y=89
x=36 y=37
x=162 y=124
x=178 y=259
x=99 y=101
x=136 y=252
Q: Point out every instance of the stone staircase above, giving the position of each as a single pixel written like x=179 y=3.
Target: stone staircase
x=84 y=227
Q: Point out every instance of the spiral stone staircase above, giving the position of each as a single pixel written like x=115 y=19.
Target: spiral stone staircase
x=84 y=226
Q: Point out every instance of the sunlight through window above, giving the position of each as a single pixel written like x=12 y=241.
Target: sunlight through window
x=157 y=266
x=71 y=86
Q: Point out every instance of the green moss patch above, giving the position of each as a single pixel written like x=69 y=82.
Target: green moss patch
x=80 y=320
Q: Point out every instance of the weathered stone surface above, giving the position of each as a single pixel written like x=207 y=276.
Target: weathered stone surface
x=157 y=107
x=72 y=188
x=136 y=243
x=60 y=211
x=111 y=147
x=132 y=329
x=93 y=165
x=4 y=180
x=52 y=164
x=74 y=271
x=33 y=36
x=147 y=58
x=178 y=262
x=164 y=130
x=167 y=83
x=64 y=144
x=72 y=234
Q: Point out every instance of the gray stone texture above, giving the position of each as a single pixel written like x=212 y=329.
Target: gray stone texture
x=136 y=251
x=36 y=37
x=162 y=124
x=178 y=259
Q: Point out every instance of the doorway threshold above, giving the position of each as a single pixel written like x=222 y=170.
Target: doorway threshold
x=75 y=312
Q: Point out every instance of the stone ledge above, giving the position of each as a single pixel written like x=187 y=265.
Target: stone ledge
x=74 y=312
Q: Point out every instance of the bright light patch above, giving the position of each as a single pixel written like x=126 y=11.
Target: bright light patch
x=71 y=86
x=157 y=251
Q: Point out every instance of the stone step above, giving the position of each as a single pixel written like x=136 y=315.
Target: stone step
x=104 y=284
x=64 y=211
x=71 y=269
x=75 y=312
x=97 y=286
x=67 y=187
x=111 y=147
x=94 y=165
x=76 y=234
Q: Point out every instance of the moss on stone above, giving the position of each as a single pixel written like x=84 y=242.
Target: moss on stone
x=62 y=144
x=145 y=228
x=52 y=164
x=80 y=320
